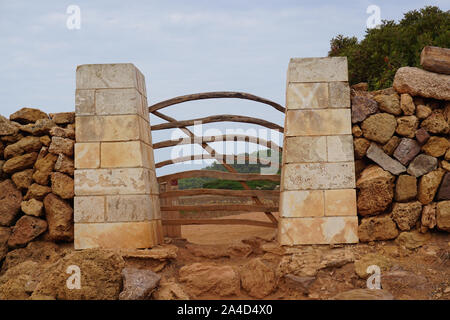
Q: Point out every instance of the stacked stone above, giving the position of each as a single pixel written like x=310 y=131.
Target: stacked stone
x=36 y=184
x=318 y=197
x=402 y=147
x=117 y=202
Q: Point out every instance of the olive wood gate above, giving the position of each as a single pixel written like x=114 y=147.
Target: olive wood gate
x=231 y=174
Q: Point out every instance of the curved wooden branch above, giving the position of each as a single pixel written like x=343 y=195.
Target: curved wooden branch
x=214 y=95
x=220 y=138
x=218 y=118
x=220 y=207
x=175 y=222
x=219 y=157
x=219 y=192
x=219 y=175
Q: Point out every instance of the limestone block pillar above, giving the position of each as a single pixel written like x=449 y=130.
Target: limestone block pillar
x=318 y=196
x=116 y=201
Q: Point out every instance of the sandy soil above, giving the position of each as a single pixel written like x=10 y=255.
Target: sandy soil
x=219 y=234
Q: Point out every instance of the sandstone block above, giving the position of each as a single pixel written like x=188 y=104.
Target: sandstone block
x=104 y=76
x=87 y=155
x=406 y=214
x=107 y=128
x=64 y=164
x=118 y=101
x=61 y=145
x=305 y=149
x=339 y=94
x=84 y=102
x=59 y=215
x=126 y=208
x=122 y=155
x=302 y=203
x=89 y=209
x=62 y=185
x=340 y=202
x=319 y=176
x=319 y=122
x=377 y=228
x=318 y=69
x=307 y=96
x=428 y=185
x=340 y=148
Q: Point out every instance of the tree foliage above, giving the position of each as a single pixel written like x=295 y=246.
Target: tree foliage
x=392 y=45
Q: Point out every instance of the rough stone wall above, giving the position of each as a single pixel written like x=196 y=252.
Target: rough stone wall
x=36 y=178
x=401 y=145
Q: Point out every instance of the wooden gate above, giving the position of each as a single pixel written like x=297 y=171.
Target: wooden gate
x=256 y=195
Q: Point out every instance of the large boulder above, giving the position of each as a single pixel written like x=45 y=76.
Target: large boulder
x=405 y=188
x=26 y=145
x=421 y=165
x=435 y=59
x=62 y=185
x=100 y=271
x=406 y=150
x=20 y=163
x=418 y=82
x=429 y=215
x=443 y=215
x=436 y=123
x=257 y=278
x=23 y=179
x=406 y=214
x=10 y=200
x=429 y=184
x=5 y=233
x=407 y=126
x=38 y=192
x=201 y=278
x=59 y=215
x=379 y=127
x=436 y=146
x=389 y=103
x=362 y=107
x=138 y=284
x=62 y=145
x=28 y=115
x=377 y=228
x=43 y=168
x=444 y=189
x=25 y=230
x=6 y=127
x=376 y=190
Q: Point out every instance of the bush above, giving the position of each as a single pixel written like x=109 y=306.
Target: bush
x=376 y=58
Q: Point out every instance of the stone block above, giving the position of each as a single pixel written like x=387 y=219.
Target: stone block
x=89 y=209
x=85 y=102
x=421 y=165
x=339 y=93
x=122 y=154
x=305 y=149
x=118 y=101
x=302 y=204
x=318 y=69
x=340 y=202
x=106 y=76
x=313 y=176
x=124 y=235
x=321 y=122
x=125 y=208
x=107 y=128
x=340 y=148
x=325 y=230
x=376 y=154
x=112 y=181
x=87 y=155
x=307 y=96
x=406 y=150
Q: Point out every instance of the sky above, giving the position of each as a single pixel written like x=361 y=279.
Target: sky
x=181 y=47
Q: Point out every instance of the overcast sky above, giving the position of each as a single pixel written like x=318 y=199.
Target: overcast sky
x=180 y=46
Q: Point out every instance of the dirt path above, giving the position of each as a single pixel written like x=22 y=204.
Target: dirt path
x=228 y=234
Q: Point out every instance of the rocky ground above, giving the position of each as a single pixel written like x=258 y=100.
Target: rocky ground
x=414 y=267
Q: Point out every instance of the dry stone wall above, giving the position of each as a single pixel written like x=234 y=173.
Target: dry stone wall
x=36 y=178
x=402 y=152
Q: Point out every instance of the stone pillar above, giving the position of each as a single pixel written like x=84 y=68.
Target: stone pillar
x=116 y=201
x=318 y=196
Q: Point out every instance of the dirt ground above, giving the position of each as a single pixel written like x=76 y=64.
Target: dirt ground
x=219 y=234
